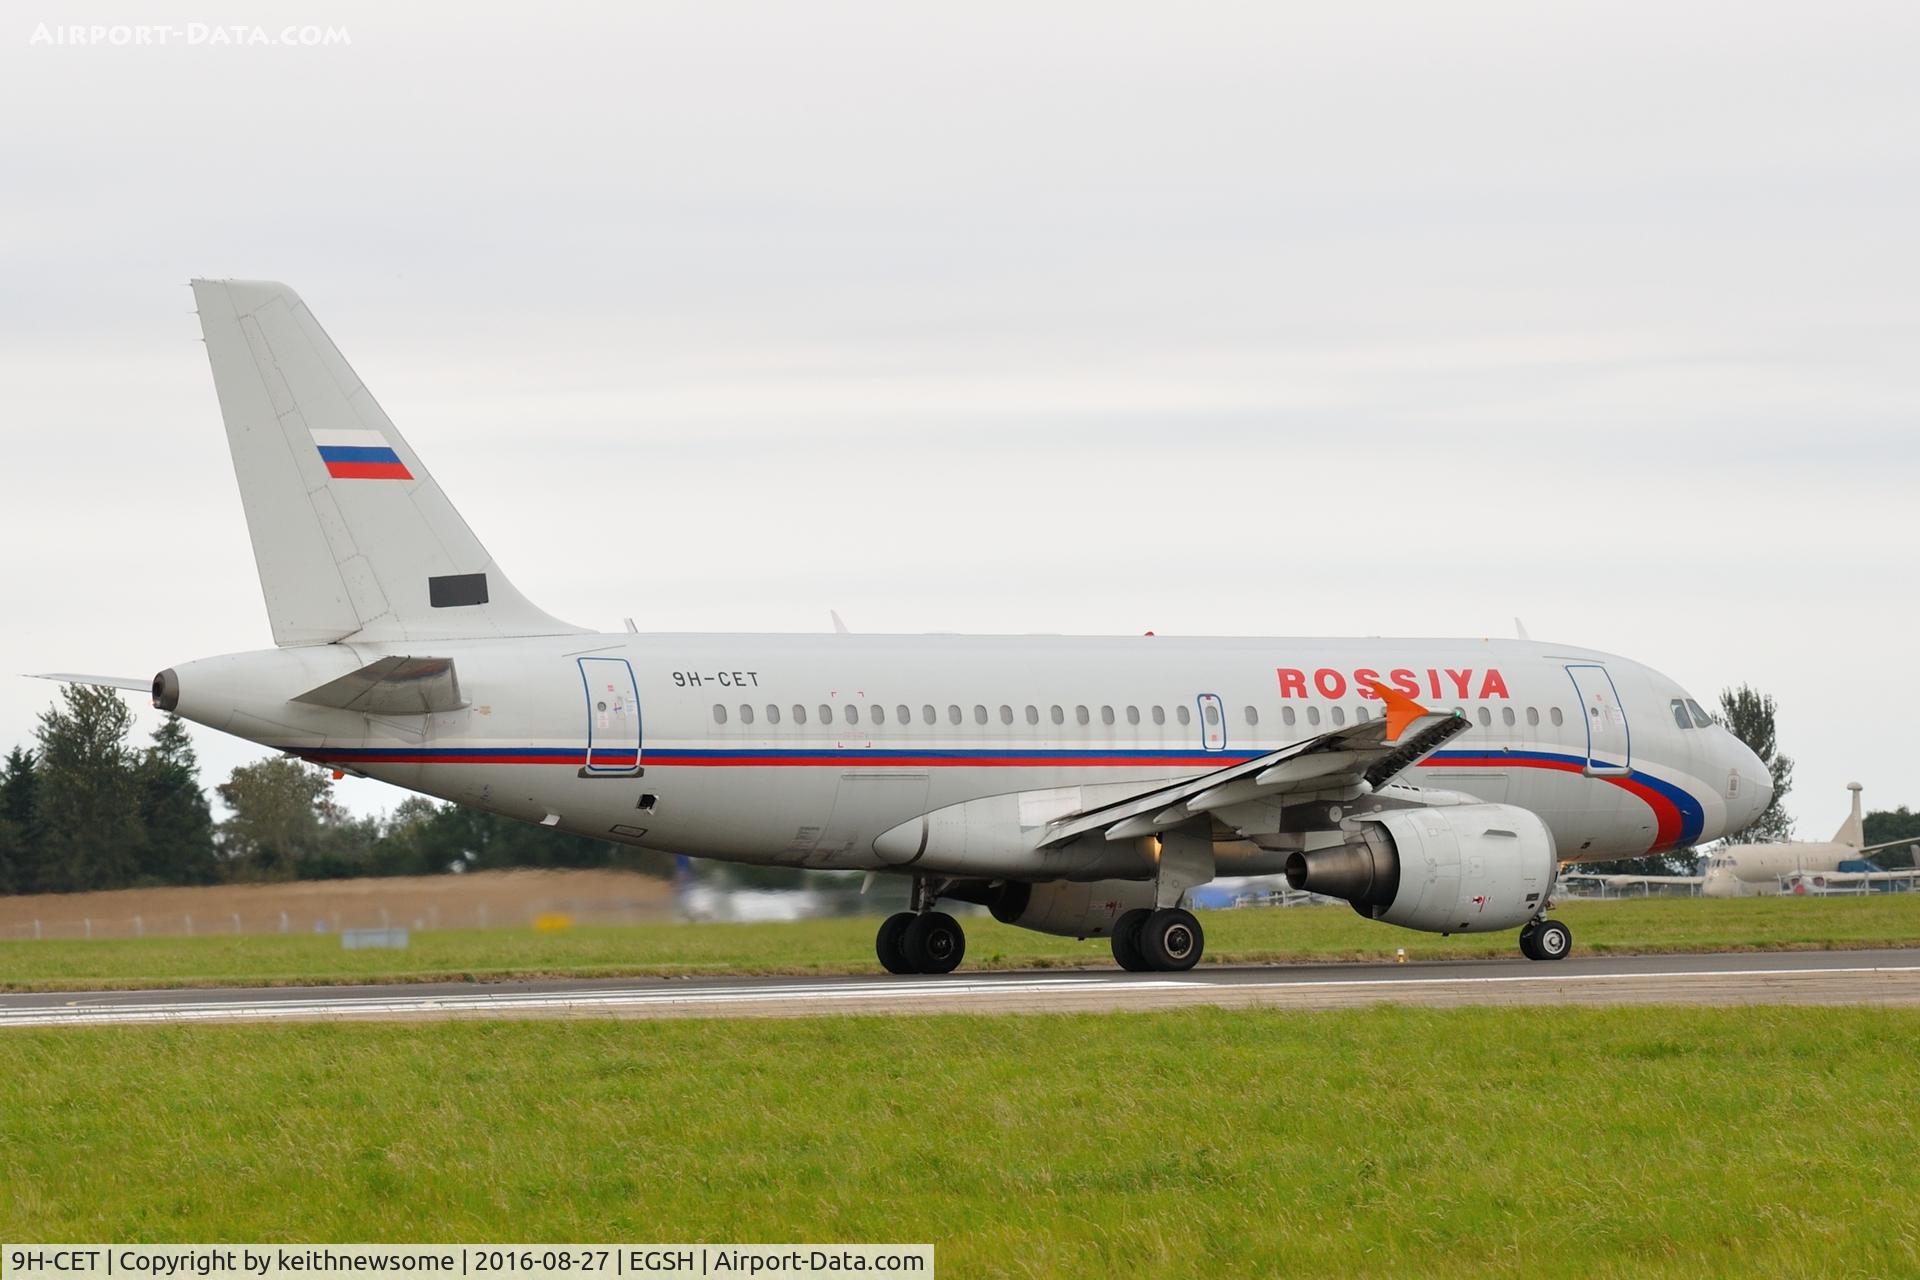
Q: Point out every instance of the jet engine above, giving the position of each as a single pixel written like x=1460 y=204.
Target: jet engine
x=1466 y=869
x=1069 y=908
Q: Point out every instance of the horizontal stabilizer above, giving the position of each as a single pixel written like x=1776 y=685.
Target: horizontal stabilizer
x=395 y=686
x=137 y=684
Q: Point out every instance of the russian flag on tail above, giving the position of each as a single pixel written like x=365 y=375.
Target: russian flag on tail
x=359 y=455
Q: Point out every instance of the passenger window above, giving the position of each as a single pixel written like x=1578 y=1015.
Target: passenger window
x=1183 y=713
x=1313 y=715
x=1288 y=717
x=852 y=712
x=1059 y=716
x=902 y=715
x=1700 y=718
x=799 y=714
x=1133 y=715
x=1212 y=713
x=1506 y=716
x=1106 y=715
x=1006 y=714
x=1033 y=714
x=1339 y=715
x=1556 y=717
x=979 y=714
x=719 y=714
x=926 y=713
x=826 y=714
x=1080 y=715
x=1533 y=715
x=773 y=714
x=1680 y=713
x=1253 y=715
x=1360 y=715
x=1159 y=715
x=746 y=714
x=953 y=713
x=1486 y=718
x=879 y=713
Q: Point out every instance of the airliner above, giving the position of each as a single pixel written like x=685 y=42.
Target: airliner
x=1079 y=786
x=1769 y=867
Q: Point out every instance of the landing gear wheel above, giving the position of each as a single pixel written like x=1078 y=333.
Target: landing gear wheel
x=887 y=943
x=1171 y=940
x=1546 y=940
x=934 y=943
x=1126 y=940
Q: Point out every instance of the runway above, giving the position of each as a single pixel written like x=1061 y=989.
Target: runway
x=1822 y=977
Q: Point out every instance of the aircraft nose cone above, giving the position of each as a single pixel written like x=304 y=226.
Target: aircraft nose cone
x=1756 y=785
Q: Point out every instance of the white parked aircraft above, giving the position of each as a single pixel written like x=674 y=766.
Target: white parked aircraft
x=1749 y=870
x=1077 y=786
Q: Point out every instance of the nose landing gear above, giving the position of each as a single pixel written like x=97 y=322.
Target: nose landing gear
x=1546 y=940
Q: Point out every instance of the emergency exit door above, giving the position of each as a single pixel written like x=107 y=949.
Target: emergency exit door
x=1609 y=742
x=613 y=715
x=1213 y=722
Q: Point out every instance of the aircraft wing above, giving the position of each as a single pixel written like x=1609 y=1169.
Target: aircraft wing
x=1373 y=752
x=136 y=684
x=1872 y=848
x=393 y=686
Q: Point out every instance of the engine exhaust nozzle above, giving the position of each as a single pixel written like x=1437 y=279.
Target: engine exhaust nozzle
x=1365 y=872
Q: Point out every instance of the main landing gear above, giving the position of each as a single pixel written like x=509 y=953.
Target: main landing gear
x=920 y=939
x=1169 y=940
x=1546 y=940
x=927 y=942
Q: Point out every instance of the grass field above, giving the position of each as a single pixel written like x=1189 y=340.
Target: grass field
x=846 y=945
x=1389 y=1141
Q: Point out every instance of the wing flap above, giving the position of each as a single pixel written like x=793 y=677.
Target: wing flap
x=393 y=686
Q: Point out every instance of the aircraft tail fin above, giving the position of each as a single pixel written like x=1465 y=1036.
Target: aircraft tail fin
x=1852 y=832
x=351 y=535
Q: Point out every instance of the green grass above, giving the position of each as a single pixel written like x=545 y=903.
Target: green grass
x=846 y=945
x=1388 y=1141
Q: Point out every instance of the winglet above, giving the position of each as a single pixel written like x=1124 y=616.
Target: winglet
x=1401 y=710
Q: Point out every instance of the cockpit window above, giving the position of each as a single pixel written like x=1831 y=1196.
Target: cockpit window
x=1680 y=713
x=1700 y=718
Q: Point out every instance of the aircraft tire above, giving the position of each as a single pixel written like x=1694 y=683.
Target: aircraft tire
x=1126 y=940
x=1171 y=940
x=1552 y=941
x=887 y=943
x=1527 y=948
x=934 y=943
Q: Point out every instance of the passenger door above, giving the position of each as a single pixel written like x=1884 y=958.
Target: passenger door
x=1609 y=743
x=613 y=716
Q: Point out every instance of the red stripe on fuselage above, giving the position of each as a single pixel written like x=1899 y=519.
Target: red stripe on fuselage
x=1666 y=814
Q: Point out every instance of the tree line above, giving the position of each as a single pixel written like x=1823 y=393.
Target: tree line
x=87 y=808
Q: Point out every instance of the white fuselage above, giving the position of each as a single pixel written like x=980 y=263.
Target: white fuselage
x=803 y=750
x=1757 y=870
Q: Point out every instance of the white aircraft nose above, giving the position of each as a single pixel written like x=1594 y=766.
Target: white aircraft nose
x=1756 y=784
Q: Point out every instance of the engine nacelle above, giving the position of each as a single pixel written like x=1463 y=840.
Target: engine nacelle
x=1073 y=909
x=1467 y=869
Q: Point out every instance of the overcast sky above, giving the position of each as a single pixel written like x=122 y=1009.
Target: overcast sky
x=1265 y=319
